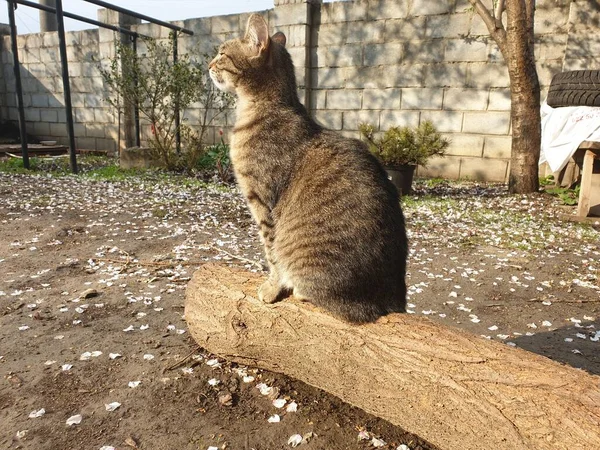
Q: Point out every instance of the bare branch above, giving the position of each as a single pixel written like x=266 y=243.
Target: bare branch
x=499 y=10
x=495 y=27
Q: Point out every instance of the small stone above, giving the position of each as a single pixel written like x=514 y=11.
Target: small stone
x=89 y=293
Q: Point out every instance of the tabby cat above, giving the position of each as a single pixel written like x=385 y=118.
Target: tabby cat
x=329 y=218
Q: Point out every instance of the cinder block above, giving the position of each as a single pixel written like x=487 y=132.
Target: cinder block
x=109 y=145
x=487 y=122
x=49 y=55
x=466 y=99
x=344 y=99
x=366 y=32
x=485 y=75
x=94 y=130
x=41 y=129
x=585 y=10
x=200 y=26
x=448 y=26
x=86 y=143
x=465 y=145
x=296 y=35
x=444 y=121
x=93 y=100
x=224 y=24
x=385 y=9
x=478 y=26
x=102 y=115
x=28 y=55
x=458 y=50
x=317 y=98
x=48 y=115
x=33 y=40
x=58 y=130
x=328 y=34
x=427 y=7
x=344 y=56
x=422 y=98
x=388 y=119
x=329 y=119
x=369 y=77
x=551 y=20
x=337 y=12
x=56 y=101
x=50 y=39
x=89 y=37
x=440 y=167
x=291 y=14
x=497 y=147
x=499 y=100
x=424 y=51
x=328 y=78
x=381 y=98
x=32 y=115
x=39 y=100
x=83 y=115
x=553 y=46
x=352 y=119
x=479 y=169
x=383 y=54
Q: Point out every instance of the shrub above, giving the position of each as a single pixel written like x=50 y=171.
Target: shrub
x=401 y=146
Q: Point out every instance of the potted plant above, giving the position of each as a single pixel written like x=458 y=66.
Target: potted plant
x=402 y=149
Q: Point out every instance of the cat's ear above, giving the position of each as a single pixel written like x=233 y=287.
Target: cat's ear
x=257 y=33
x=279 y=37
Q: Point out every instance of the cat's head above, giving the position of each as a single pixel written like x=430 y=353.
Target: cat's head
x=249 y=61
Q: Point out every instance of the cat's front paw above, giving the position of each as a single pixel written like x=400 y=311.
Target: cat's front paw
x=269 y=292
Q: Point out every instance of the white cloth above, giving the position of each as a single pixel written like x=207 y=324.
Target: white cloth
x=564 y=129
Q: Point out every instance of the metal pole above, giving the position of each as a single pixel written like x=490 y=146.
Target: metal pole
x=47 y=19
x=177 y=116
x=136 y=108
x=19 y=86
x=66 y=86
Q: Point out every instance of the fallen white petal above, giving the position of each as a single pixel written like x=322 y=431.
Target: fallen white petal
x=129 y=328
x=114 y=355
x=23 y=328
x=295 y=440
x=213 y=382
x=292 y=407
x=279 y=403
x=274 y=419
x=36 y=414
x=133 y=384
x=148 y=357
x=377 y=442
x=112 y=406
x=66 y=367
x=74 y=420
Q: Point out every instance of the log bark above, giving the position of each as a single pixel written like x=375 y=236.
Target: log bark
x=452 y=388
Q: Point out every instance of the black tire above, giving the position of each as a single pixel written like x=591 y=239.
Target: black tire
x=575 y=88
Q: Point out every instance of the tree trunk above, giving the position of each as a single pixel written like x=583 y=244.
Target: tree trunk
x=454 y=389
x=516 y=43
x=525 y=99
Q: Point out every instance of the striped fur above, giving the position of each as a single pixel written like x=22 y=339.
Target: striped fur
x=329 y=218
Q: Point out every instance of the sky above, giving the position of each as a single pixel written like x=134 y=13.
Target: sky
x=27 y=19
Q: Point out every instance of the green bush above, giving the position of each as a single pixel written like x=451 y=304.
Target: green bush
x=400 y=146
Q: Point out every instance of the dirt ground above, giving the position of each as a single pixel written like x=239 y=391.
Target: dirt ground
x=92 y=285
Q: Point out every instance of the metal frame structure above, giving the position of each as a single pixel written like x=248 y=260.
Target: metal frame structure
x=60 y=15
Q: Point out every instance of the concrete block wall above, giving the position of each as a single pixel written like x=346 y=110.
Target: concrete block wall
x=395 y=63
x=387 y=62
x=95 y=125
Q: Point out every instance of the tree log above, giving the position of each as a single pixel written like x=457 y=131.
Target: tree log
x=454 y=389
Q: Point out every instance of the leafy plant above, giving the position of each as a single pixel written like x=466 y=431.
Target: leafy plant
x=401 y=146
x=217 y=157
x=567 y=196
x=159 y=86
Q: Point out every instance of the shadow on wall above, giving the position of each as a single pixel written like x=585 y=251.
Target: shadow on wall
x=41 y=78
x=576 y=346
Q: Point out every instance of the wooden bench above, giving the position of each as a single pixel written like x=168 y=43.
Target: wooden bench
x=589 y=194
